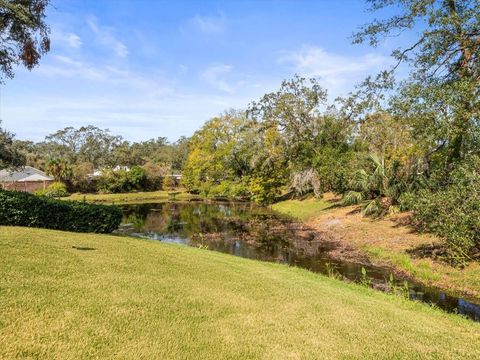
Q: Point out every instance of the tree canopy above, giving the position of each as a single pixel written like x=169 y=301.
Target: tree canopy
x=441 y=96
x=10 y=155
x=25 y=36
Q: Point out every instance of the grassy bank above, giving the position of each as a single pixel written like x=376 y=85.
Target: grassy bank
x=463 y=281
x=134 y=197
x=302 y=209
x=386 y=241
x=130 y=299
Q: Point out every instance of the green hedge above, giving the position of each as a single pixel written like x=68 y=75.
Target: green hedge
x=24 y=209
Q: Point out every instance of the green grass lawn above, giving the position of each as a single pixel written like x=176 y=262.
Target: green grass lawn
x=301 y=209
x=134 y=197
x=139 y=299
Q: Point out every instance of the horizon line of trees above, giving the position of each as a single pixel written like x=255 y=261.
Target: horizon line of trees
x=73 y=155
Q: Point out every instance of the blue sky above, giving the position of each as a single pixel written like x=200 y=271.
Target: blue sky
x=145 y=69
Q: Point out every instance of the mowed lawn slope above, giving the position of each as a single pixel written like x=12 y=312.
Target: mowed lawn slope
x=138 y=299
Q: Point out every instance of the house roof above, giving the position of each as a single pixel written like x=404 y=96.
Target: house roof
x=35 y=177
x=26 y=173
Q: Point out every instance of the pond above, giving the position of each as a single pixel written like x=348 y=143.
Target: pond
x=254 y=232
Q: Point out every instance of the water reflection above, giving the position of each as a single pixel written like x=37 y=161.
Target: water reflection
x=250 y=231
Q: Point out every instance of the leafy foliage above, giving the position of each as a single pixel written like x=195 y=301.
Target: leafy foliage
x=23 y=209
x=10 y=155
x=440 y=99
x=85 y=144
x=24 y=34
x=370 y=184
x=60 y=169
x=123 y=180
x=453 y=212
x=281 y=139
x=55 y=190
x=220 y=152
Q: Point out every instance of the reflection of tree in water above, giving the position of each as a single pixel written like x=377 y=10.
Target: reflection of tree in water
x=229 y=227
x=207 y=218
x=270 y=236
x=173 y=221
x=186 y=219
x=152 y=216
x=137 y=221
x=241 y=229
x=139 y=210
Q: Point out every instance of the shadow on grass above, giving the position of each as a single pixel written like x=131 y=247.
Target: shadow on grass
x=82 y=248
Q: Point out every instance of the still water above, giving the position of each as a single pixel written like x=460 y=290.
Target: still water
x=254 y=232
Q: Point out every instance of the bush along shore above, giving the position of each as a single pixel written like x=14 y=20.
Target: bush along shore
x=23 y=209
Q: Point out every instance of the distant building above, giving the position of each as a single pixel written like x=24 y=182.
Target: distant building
x=99 y=172
x=26 y=179
x=177 y=178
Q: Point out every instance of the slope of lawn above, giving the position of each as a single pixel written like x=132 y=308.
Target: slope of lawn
x=138 y=299
x=302 y=209
x=133 y=197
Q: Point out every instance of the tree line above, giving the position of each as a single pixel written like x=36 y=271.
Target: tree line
x=92 y=159
x=390 y=145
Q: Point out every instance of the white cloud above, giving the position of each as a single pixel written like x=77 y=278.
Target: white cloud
x=214 y=75
x=63 y=66
x=68 y=39
x=334 y=70
x=129 y=114
x=150 y=84
x=209 y=24
x=105 y=36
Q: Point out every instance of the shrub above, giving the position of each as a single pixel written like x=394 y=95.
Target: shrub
x=453 y=212
x=407 y=201
x=229 y=189
x=119 y=181
x=137 y=178
x=379 y=187
x=113 y=181
x=264 y=190
x=333 y=167
x=155 y=174
x=82 y=180
x=24 y=209
x=168 y=183
x=56 y=189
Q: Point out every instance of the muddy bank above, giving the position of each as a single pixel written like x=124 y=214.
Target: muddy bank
x=392 y=243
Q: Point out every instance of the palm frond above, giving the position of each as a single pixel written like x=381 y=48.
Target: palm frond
x=360 y=181
x=374 y=208
x=352 y=198
x=375 y=160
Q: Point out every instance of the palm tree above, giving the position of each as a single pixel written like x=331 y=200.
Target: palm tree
x=60 y=169
x=378 y=187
